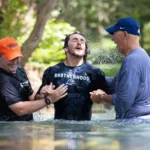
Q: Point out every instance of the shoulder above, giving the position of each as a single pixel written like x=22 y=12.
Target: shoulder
x=137 y=53
x=89 y=66
x=54 y=68
x=21 y=72
x=2 y=73
x=5 y=77
x=21 y=69
x=93 y=69
x=137 y=57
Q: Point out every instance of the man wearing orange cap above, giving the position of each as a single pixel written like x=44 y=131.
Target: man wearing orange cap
x=16 y=94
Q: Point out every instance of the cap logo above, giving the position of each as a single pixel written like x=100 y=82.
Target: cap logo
x=139 y=31
x=121 y=28
x=12 y=45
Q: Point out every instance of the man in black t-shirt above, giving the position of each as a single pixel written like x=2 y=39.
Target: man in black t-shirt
x=80 y=78
x=16 y=94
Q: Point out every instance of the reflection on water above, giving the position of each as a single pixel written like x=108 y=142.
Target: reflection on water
x=72 y=135
x=26 y=135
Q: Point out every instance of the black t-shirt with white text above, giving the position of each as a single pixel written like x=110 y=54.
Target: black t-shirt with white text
x=80 y=80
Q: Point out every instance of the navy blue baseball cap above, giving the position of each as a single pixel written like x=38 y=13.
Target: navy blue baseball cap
x=125 y=24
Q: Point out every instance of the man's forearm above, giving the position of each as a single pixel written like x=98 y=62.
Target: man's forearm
x=107 y=98
x=39 y=96
x=27 y=107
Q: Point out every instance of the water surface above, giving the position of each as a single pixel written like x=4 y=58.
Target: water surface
x=98 y=134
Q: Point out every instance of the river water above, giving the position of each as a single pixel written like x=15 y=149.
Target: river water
x=102 y=133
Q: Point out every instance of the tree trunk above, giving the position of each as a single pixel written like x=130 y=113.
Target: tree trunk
x=43 y=14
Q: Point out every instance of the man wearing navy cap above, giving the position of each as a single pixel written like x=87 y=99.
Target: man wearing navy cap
x=131 y=96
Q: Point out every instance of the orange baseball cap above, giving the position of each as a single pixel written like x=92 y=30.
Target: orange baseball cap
x=10 y=48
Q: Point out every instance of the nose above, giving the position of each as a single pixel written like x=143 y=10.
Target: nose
x=79 y=42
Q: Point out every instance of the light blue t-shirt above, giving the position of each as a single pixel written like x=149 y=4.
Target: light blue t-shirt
x=132 y=86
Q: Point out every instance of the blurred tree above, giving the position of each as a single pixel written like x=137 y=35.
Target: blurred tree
x=50 y=49
x=89 y=17
x=25 y=19
x=139 y=10
x=12 y=16
x=43 y=14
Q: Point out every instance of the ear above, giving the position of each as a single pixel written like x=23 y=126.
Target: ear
x=126 y=34
x=66 y=49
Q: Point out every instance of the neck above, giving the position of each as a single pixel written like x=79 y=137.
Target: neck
x=72 y=63
x=133 y=43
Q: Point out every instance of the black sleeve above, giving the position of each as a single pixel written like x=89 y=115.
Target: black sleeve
x=9 y=93
x=45 y=80
x=100 y=82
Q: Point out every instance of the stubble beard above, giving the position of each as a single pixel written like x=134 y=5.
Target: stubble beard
x=76 y=55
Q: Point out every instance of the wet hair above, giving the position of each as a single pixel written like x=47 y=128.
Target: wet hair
x=87 y=51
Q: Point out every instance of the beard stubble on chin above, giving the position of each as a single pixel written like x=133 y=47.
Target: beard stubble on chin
x=75 y=54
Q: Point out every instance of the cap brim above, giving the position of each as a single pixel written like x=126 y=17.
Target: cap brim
x=111 y=29
x=13 y=55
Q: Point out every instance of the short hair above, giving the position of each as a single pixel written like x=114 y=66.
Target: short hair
x=87 y=51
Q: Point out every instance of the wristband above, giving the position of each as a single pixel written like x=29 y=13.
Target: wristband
x=47 y=101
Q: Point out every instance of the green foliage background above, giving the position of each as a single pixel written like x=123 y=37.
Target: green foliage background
x=50 y=50
x=17 y=19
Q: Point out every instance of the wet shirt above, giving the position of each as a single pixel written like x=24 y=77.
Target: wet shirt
x=132 y=86
x=13 y=88
x=80 y=80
